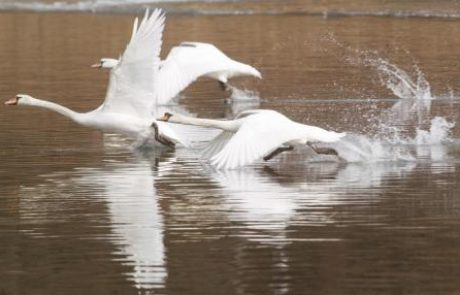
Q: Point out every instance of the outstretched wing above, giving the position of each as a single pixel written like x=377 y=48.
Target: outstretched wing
x=217 y=144
x=130 y=87
x=186 y=63
x=261 y=133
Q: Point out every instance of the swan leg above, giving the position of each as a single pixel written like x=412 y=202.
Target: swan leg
x=161 y=139
x=323 y=150
x=277 y=152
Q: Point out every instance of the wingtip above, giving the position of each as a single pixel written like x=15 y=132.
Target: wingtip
x=135 y=27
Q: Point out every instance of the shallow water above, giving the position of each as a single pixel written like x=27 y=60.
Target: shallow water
x=83 y=213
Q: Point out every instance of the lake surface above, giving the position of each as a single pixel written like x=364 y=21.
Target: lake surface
x=82 y=212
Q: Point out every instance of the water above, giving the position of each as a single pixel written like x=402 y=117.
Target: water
x=82 y=212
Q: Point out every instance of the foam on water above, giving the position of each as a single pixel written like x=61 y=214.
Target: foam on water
x=438 y=133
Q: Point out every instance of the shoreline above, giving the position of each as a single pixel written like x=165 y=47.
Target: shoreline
x=428 y=10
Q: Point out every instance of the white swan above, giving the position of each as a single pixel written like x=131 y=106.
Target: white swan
x=127 y=108
x=188 y=62
x=256 y=134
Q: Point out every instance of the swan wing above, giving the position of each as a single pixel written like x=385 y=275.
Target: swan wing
x=130 y=86
x=217 y=144
x=185 y=64
x=260 y=134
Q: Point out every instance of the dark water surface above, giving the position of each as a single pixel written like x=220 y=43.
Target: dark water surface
x=83 y=213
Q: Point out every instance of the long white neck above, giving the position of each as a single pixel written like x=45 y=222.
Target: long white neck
x=74 y=116
x=231 y=125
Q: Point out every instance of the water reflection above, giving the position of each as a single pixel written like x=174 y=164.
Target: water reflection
x=271 y=199
x=157 y=201
x=266 y=199
x=135 y=218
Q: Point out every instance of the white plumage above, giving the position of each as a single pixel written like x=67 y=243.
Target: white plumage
x=127 y=108
x=253 y=135
x=191 y=60
x=185 y=64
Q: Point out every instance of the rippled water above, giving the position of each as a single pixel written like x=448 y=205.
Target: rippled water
x=84 y=213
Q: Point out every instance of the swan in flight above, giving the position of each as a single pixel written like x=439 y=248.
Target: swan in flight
x=188 y=62
x=127 y=108
x=256 y=134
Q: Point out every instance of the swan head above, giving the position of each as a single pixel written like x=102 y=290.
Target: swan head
x=20 y=99
x=165 y=117
x=106 y=63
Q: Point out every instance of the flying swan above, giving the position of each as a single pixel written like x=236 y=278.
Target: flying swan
x=256 y=134
x=188 y=62
x=127 y=108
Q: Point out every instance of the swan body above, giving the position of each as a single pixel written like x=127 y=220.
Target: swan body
x=253 y=135
x=186 y=63
x=127 y=108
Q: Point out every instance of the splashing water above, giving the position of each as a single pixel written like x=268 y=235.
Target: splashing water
x=413 y=109
x=397 y=133
x=413 y=90
x=402 y=84
x=241 y=100
x=242 y=95
x=439 y=132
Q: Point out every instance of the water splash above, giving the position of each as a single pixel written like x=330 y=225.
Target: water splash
x=241 y=100
x=403 y=84
x=396 y=133
x=412 y=110
x=242 y=95
x=439 y=132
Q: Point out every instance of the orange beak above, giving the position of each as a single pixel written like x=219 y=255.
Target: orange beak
x=12 y=102
x=98 y=65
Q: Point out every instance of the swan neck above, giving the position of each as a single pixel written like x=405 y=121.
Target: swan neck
x=57 y=108
x=224 y=125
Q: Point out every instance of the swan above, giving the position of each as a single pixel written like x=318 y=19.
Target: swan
x=256 y=134
x=127 y=108
x=186 y=63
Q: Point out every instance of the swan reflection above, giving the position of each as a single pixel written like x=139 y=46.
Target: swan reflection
x=269 y=200
x=136 y=220
x=135 y=226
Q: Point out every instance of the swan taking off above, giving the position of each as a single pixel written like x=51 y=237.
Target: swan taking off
x=256 y=134
x=188 y=62
x=127 y=108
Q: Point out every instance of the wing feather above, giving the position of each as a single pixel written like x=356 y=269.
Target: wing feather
x=185 y=64
x=130 y=86
x=263 y=132
x=217 y=144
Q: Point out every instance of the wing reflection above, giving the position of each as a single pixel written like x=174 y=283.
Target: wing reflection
x=270 y=200
x=136 y=220
x=110 y=213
